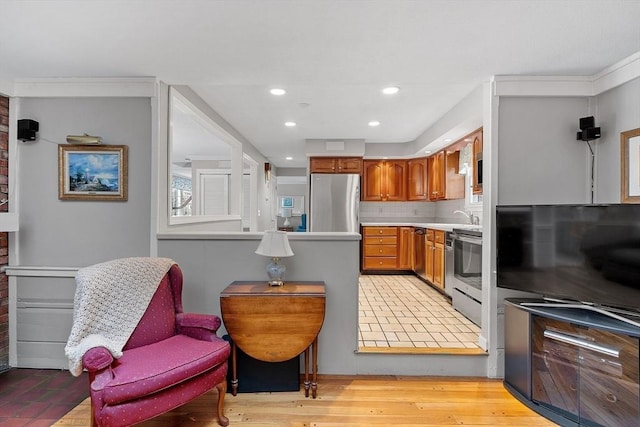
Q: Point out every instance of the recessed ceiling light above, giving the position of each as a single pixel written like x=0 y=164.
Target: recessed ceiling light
x=374 y=123
x=448 y=140
x=277 y=91
x=427 y=151
x=289 y=124
x=289 y=158
x=391 y=90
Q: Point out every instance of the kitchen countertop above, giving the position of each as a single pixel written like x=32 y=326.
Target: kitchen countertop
x=433 y=225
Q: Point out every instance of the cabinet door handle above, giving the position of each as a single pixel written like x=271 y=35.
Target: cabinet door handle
x=587 y=345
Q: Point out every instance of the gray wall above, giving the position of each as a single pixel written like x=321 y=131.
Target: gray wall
x=79 y=233
x=57 y=233
x=618 y=110
x=211 y=265
x=539 y=158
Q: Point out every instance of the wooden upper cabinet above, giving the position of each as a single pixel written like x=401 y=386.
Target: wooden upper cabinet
x=437 y=176
x=335 y=165
x=445 y=183
x=454 y=182
x=384 y=180
x=349 y=165
x=417 y=179
x=372 y=180
x=477 y=161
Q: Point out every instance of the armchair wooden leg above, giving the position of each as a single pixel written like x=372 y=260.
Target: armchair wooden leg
x=93 y=416
x=222 y=389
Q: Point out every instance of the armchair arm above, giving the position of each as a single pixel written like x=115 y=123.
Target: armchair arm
x=199 y=326
x=97 y=359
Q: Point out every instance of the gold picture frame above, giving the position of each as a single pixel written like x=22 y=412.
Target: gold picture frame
x=92 y=172
x=630 y=161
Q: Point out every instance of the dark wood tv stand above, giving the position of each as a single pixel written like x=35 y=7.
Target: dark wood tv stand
x=572 y=366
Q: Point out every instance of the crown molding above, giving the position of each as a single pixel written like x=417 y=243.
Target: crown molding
x=6 y=87
x=76 y=87
x=617 y=74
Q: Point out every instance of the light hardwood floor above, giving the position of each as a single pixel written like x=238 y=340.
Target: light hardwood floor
x=356 y=401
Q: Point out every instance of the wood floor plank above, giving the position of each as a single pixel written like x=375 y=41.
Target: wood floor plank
x=355 y=401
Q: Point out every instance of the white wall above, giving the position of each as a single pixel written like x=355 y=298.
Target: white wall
x=617 y=110
x=539 y=159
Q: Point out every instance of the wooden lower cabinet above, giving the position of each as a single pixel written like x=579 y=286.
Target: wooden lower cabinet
x=379 y=248
x=429 y=253
x=387 y=248
x=434 y=257
x=405 y=248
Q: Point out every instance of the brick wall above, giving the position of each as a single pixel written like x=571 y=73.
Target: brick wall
x=4 y=239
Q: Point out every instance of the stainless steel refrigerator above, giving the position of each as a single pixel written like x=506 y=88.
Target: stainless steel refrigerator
x=335 y=202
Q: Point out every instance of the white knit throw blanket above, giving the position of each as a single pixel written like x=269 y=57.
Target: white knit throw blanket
x=110 y=300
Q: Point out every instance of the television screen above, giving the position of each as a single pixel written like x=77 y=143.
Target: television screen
x=584 y=253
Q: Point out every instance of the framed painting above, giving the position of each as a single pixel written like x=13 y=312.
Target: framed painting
x=89 y=172
x=630 y=161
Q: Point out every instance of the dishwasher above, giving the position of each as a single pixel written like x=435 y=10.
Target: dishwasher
x=419 y=236
x=448 y=263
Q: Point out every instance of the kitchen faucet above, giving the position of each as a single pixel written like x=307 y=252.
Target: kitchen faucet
x=470 y=216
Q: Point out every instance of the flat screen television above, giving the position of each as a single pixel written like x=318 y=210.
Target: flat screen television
x=588 y=254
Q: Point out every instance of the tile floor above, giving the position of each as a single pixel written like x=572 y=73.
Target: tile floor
x=403 y=311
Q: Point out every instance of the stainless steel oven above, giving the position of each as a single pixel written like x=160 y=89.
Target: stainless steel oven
x=467 y=273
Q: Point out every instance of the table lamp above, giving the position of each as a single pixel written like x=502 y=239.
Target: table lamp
x=286 y=214
x=275 y=244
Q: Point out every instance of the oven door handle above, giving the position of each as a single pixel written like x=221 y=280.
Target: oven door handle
x=467 y=239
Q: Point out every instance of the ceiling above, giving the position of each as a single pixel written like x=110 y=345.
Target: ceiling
x=332 y=56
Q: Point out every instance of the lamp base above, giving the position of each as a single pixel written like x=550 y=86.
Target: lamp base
x=276 y=271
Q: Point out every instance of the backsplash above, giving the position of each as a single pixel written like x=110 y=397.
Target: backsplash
x=422 y=211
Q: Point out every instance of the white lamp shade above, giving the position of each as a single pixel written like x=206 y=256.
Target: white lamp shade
x=274 y=244
x=285 y=213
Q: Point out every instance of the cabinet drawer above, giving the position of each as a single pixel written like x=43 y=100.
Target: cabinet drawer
x=439 y=236
x=379 y=263
x=380 y=250
x=430 y=234
x=380 y=231
x=382 y=240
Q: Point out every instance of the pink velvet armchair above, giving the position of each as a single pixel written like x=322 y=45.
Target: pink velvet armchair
x=171 y=358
